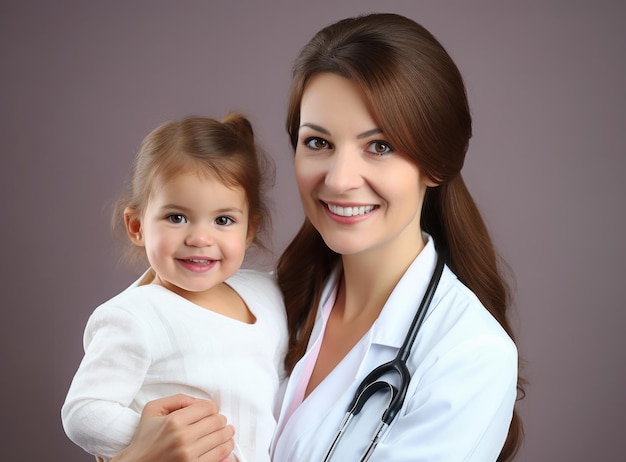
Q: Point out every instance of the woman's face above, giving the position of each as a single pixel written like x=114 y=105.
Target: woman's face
x=360 y=194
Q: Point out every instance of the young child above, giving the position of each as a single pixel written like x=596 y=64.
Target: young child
x=195 y=323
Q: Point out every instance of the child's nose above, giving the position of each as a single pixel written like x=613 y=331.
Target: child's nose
x=199 y=236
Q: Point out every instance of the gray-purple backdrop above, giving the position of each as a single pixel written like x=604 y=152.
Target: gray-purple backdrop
x=83 y=82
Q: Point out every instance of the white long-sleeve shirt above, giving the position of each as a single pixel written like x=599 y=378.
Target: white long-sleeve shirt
x=148 y=342
x=462 y=392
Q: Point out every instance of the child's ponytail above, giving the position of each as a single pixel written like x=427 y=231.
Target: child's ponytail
x=241 y=127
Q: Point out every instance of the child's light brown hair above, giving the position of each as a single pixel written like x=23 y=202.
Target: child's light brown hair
x=225 y=150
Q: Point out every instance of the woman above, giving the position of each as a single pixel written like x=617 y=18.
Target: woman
x=380 y=125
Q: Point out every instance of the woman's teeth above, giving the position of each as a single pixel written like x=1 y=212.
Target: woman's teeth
x=350 y=211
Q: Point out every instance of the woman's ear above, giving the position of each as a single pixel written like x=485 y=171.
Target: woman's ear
x=133 y=226
x=431 y=182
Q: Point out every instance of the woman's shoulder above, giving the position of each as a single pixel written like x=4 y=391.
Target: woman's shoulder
x=459 y=313
x=459 y=334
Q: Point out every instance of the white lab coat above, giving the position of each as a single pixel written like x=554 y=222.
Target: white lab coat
x=460 y=400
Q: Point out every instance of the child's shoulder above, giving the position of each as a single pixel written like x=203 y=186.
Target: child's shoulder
x=253 y=284
x=135 y=298
x=252 y=276
x=260 y=292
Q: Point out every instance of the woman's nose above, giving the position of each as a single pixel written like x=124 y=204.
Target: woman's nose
x=344 y=171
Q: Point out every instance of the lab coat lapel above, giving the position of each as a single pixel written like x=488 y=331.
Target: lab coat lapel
x=396 y=316
x=311 y=419
x=329 y=394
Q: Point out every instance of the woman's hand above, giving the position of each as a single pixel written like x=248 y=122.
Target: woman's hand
x=180 y=428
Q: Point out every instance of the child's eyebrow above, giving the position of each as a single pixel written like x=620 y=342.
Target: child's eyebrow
x=173 y=206
x=229 y=210
x=184 y=209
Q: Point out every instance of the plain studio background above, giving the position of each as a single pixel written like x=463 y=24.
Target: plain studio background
x=84 y=82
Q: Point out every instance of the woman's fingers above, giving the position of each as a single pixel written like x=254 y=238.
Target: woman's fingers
x=182 y=429
x=217 y=444
x=198 y=410
x=208 y=435
x=169 y=404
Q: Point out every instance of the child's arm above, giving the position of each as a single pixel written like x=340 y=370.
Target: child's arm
x=96 y=415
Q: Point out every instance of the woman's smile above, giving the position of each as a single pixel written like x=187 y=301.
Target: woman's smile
x=350 y=211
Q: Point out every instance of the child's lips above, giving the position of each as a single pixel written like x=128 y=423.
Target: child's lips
x=197 y=264
x=199 y=261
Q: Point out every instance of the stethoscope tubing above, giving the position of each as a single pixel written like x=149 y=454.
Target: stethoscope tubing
x=371 y=385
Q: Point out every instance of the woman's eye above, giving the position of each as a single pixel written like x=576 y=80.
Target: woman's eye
x=316 y=143
x=223 y=221
x=380 y=147
x=176 y=218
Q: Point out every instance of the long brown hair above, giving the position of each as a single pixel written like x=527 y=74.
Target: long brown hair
x=416 y=94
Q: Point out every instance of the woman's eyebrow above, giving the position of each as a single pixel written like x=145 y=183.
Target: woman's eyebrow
x=366 y=134
x=315 y=127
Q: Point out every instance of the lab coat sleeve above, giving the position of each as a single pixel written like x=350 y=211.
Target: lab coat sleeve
x=460 y=409
x=96 y=414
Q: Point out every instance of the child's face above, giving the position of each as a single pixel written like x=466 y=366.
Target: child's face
x=195 y=232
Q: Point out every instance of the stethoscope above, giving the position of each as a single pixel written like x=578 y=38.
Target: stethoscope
x=371 y=385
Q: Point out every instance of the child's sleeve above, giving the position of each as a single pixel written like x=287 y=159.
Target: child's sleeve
x=96 y=414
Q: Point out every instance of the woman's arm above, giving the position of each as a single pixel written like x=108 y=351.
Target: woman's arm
x=180 y=428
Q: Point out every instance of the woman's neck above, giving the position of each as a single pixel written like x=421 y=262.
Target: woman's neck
x=366 y=283
x=369 y=278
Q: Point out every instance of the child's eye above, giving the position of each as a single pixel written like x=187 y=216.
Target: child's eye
x=316 y=143
x=380 y=148
x=224 y=221
x=176 y=218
